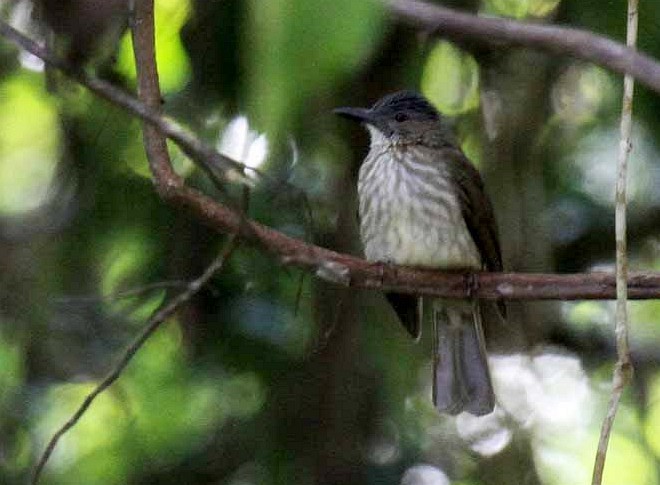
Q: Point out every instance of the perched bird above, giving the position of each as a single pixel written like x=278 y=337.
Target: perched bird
x=422 y=203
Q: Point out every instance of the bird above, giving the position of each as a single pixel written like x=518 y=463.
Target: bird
x=421 y=202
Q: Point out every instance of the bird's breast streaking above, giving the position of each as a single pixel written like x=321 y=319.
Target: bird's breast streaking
x=409 y=213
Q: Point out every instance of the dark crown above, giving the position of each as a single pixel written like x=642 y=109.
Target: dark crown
x=409 y=101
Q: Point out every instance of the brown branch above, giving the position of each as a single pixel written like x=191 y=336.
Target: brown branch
x=155 y=144
x=153 y=324
x=327 y=264
x=498 y=32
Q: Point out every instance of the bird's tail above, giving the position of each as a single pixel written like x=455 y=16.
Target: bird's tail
x=461 y=380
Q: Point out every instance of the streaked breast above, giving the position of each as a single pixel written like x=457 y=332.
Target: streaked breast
x=409 y=213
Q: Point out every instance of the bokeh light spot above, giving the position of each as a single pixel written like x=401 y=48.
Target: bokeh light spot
x=450 y=79
x=29 y=144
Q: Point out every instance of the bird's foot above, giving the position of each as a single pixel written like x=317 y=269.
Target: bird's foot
x=471 y=284
x=387 y=271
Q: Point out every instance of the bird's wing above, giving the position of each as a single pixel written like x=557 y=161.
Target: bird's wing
x=477 y=212
x=476 y=209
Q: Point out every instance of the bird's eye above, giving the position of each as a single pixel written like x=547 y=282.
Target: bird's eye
x=400 y=117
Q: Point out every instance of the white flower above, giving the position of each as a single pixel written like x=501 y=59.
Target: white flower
x=243 y=145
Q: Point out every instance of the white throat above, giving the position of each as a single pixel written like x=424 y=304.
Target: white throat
x=378 y=138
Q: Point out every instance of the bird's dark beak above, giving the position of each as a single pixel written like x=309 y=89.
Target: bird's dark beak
x=362 y=115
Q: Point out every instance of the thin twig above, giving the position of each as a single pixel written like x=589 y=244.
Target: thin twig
x=130 y=293
x=502 y=33
x=153 y=324
x=623 y=369
x=213 y=162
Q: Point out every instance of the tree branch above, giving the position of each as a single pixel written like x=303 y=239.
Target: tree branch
x=499 y=32
x=327 y=264
x=153 y=324
x=210 y=160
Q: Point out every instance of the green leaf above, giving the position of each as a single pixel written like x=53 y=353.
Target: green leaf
x=450 y=79
x=297 y=49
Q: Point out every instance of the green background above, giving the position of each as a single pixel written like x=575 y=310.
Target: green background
x=273 y=377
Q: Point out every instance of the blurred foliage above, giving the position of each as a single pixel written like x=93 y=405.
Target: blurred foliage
x=521 y=8
x=28 y=188
x=269 y=376
x=451 y=79
x=173 y=63
x=302 y=48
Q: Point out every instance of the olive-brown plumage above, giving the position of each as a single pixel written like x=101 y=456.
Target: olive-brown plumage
x=422 y=203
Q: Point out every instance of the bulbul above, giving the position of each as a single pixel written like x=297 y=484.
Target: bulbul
x=422 y=203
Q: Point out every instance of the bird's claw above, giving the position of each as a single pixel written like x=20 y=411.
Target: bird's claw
x=471 y=284
x=387 y=271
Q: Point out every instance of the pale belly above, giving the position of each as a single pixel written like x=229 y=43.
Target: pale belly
x=396 y=228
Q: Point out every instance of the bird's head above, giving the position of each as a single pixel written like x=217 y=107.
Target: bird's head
x=404 y=117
